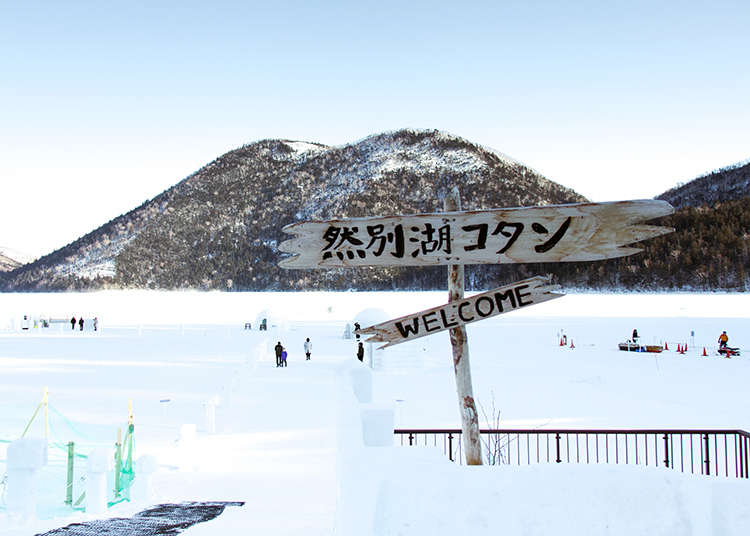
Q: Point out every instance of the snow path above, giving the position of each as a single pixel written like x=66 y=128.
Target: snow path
x=274 y=451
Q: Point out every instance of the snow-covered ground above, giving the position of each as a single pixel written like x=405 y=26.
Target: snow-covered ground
x=288 y=441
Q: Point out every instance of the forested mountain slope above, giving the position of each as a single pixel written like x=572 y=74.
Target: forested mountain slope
x=220 y=227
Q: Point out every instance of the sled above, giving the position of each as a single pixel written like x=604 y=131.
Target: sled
x=728 y=351
x=630 y=346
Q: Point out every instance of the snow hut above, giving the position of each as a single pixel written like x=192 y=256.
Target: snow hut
x=401 y=357
x=272 y=319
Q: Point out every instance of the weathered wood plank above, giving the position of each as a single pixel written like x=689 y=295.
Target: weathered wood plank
x=556 y=233
x=463 y=311
x=460 y=349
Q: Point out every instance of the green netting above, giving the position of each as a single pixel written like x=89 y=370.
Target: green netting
x=66 y=425
x=63 y=431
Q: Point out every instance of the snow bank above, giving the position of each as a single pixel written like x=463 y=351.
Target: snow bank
x=421 y=495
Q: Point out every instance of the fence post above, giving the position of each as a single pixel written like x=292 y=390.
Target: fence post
x=69 y=485
x=666 y=450
x=411 y=439
x=450 y=446
x=557 y=446
x=708 y=462
x=118 y=462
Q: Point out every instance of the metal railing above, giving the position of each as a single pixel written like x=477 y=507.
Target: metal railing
x=706 y=452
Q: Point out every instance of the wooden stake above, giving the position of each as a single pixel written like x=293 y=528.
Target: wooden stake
x=46 y=413
x=460 y=345
x=118 y=462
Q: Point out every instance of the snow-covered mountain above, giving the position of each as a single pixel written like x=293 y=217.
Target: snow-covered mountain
x=11 y=259
x=219 y=228
x=726 y=184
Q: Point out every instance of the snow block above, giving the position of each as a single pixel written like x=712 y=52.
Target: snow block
x=361 y=377
x=377 y=426
x=146 y=464
x=24 y=458
x=142 y=490
x=27 y=454
x=99 y=462
x=353 y=510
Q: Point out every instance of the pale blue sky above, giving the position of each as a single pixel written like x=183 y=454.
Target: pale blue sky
x=103 y=106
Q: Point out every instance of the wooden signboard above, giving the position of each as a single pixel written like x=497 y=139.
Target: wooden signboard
x=464 y=311
x=555 y=233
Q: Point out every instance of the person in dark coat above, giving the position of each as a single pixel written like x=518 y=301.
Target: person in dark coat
x=73 y=323
x=278 y=349
x=635 y=335
x=356 y=329
x=80 y=323
x=361 y=352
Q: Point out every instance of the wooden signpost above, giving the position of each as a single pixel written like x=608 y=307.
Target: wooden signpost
x=557 y=233
x=467 y=406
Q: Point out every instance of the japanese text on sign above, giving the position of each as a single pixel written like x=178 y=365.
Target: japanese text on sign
x=373 y=240
x=587 y=231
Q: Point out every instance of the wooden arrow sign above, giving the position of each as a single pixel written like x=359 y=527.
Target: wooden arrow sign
x=556 y=233
x=465 y=311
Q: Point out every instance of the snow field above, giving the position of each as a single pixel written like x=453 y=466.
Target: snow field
x=289 y=441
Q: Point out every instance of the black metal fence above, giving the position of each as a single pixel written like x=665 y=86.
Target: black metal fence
x=706 y=452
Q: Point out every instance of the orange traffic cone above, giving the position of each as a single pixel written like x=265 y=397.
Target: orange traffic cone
x=561 y=342
x=704 y=352
x=571 y=344
x=665 y=345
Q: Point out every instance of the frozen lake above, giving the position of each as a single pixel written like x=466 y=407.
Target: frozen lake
x=171 y=354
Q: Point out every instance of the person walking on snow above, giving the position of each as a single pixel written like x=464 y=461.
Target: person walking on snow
x=73 y=323
x=283 y=357
x=278 y=349
x=723 y=340
x=361 y=352
x=80 y=323
x=308 y=349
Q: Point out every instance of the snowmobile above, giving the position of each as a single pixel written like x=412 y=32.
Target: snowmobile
x=728 y=351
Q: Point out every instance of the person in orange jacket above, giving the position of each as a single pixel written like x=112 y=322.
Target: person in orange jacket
x=723 y=339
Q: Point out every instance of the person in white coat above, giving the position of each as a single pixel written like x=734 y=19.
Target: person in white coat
x=308 y=349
